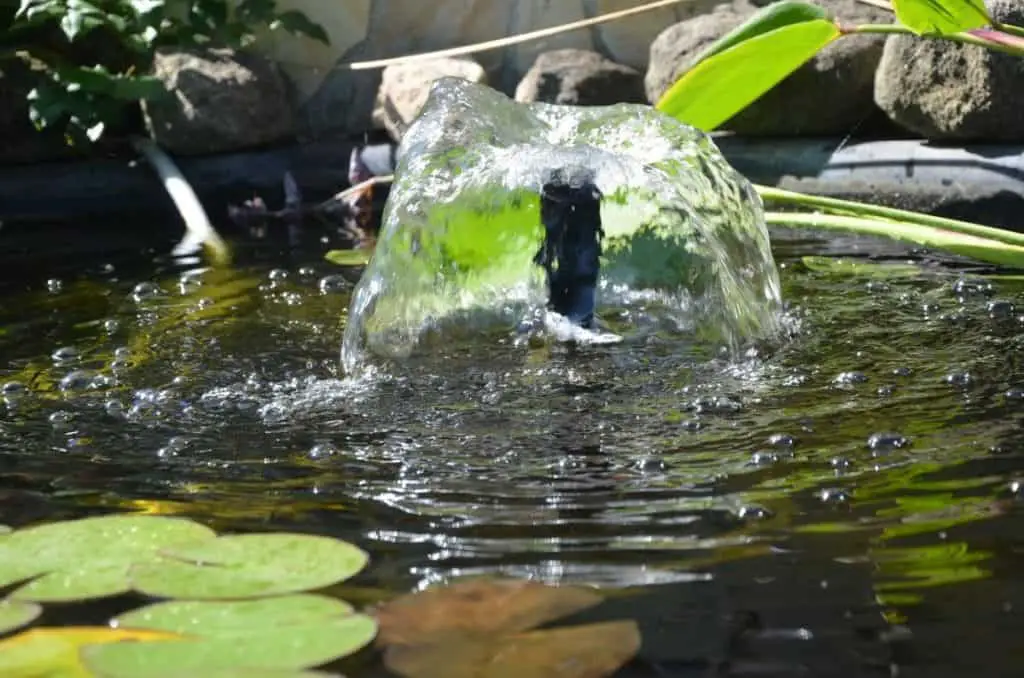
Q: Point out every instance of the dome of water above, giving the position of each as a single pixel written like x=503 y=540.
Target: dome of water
x=462 y=225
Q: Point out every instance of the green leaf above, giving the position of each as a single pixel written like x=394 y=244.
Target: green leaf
x=941 y=17
x=721 y=86
x=87 y=558
x=296 y=22
x=278 y=633
x=249 y=565
x=348 y=257
x=55 y=652
x=774 y=16
x=17 y=613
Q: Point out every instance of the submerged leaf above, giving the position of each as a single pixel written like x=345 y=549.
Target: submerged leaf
x=860 y=267
x=942 y=17
x=17 y=613
x=477 y=607
x=249 y=565
x=278 y=633
x=587 y=651
x=348 y=257
x=88 y=558
x=54 y=653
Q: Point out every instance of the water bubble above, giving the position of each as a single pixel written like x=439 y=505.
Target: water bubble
x=175 y=446
x=331 y=284
x=902 y=372
x=876 y=286
x=79 y=380
x=122 y=353
x=691 y=425
x=840 y=463
x=753 y=513
x=717 y=405
x=1000 y=309
x=60 y=418
x=307 y=272
x=146 y=395
x=885 y=390
x=54 y=285
x=847 y=378
x=66 y=354
x=292 y=298
x=1016 y=393
x=882 y=442
x=278 y=275
x=964 y=288
x=958 y=379
x=146 y=291
x=651 y=465
x=322 y=451
x=111 y=325
x=781 y=440
x=114 y=408
x=13 y=388
x=764 y=458
x=102 y=382
x=834 y=495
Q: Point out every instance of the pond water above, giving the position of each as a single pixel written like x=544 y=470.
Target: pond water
x=845 y=503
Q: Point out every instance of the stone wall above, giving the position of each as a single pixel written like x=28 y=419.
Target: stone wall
x=333 y=99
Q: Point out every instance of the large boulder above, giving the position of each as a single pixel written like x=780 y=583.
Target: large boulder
x=832 y=94
x=949 y=91
x=579 y=77
x=220 y=100
x=404 y=88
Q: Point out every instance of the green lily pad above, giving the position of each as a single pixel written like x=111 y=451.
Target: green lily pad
x=17 y=613
x=285 y=633
x=248 y=566
x=54 y=652
x=860 y=267
x=88 y=558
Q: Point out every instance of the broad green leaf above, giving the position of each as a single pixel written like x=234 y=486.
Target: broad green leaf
x=249 y=565
x=280 y=633
x=87 y=558
x=721 y=86
x=975 y=247
x=54 y=652
x=774 y=16
x=16 y=613
x=942 y=17
x=348 y=257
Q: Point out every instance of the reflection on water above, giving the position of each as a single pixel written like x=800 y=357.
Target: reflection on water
x=854 y=492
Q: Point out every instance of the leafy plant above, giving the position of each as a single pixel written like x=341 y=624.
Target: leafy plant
x=88 y=98
x=747 y=62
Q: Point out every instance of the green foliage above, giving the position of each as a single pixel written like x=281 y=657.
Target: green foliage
x=742 y=65
x=267 y=634
x=89 y=97
x=941 y=17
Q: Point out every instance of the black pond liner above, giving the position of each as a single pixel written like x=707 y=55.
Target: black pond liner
x=982 y=183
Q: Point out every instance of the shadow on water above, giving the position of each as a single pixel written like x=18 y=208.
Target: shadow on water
x=845 y=504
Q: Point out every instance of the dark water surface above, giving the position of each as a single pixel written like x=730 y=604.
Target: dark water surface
x=851 y=498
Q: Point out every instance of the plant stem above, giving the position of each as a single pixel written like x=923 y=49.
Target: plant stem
x=965 y=245
x=965 y=38
x=890 y=214
x=1009 y=28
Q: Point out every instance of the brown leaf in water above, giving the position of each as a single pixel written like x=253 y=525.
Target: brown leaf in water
x=590 y=651
x=477 y=607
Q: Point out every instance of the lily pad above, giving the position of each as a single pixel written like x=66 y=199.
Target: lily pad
x=860 y=267
x=574 y=652
x=88 y=558
x=54 y=653
x=348 y=257
x=17 y=613
x=476 y=607
x=249 y=566
x=286 y=633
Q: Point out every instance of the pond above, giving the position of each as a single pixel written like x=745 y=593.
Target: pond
x=844 y=503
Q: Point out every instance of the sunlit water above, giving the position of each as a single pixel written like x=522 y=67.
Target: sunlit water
x=851 y=491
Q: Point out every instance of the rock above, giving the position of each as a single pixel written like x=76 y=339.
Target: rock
x=404 y=89
x=948 y=91
x=580 y=78
x=831 y=94
x=627 y=41
x=221 y=100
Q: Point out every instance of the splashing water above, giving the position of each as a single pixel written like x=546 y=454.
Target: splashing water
x=462 y=224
